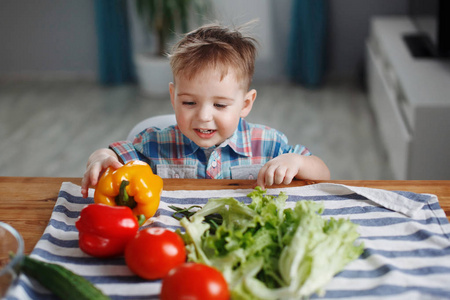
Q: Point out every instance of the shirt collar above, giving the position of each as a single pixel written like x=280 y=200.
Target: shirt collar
x=190 y=146
x=240 y=141
x=184 y=145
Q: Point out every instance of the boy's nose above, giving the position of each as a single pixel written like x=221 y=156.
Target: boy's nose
x=205 y=114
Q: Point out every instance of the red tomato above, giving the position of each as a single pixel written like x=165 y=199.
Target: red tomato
x=153 y=252
x=194 y=281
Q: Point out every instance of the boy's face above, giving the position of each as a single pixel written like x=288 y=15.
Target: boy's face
x=208 y=109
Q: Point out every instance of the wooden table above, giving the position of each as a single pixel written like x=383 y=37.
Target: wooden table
x=26 y=203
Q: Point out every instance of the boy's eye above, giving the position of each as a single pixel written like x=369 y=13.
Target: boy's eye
x=218 y=105
x=189 y=103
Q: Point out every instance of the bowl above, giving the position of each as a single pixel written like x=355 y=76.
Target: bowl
x=11 y=254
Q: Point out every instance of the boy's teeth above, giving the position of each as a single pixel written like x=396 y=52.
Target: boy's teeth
x=205 y=131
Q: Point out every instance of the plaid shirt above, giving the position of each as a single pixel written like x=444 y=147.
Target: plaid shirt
x=172 y=155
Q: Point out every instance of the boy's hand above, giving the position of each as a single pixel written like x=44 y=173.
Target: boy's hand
x=281 y=169
x=98 y=162
x=284 y=168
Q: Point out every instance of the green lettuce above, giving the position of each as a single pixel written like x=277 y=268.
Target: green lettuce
x=267 y=251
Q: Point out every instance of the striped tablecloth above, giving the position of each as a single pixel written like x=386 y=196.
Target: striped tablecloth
x=406 y=237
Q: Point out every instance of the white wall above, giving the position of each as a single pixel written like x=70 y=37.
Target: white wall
x=57 y=37
x=47 y=38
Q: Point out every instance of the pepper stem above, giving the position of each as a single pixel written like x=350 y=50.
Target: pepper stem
x=123 y=199
x=141 y=219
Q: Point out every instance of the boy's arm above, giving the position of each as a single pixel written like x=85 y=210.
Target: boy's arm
x=284 y=168
x=313 y=168
x=99 y=161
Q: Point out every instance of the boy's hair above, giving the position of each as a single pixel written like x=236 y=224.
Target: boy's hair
x=218 y=47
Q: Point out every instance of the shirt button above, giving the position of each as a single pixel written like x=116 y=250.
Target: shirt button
x=176 y=175
x=250 y=176
x=214 y=164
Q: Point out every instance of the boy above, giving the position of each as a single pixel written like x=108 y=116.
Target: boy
x=212 y=69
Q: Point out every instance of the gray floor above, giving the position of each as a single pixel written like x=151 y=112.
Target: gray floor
x=50 y=128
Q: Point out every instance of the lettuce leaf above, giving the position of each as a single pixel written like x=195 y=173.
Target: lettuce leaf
x=267 y=251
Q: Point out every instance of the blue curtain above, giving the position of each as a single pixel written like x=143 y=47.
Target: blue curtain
x=114 y=48
x=307 y=44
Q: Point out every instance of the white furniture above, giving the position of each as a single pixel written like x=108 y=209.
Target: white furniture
x=161 y=122
x=411 y=101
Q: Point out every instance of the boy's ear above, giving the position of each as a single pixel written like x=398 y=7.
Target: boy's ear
x=172 y=93
x=248 y=103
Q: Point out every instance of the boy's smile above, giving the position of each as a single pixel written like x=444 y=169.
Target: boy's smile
x=205 y=133
x=208 y=107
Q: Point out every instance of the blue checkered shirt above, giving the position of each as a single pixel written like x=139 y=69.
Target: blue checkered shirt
x=172 y=155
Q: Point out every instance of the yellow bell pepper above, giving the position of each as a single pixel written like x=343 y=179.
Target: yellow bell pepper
x=133 y=185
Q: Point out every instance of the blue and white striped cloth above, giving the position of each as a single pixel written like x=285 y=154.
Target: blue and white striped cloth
x=406 y=237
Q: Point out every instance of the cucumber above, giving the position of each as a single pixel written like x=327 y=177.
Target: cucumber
x=62 y=282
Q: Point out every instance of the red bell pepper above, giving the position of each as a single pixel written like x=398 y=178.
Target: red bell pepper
x=105 y=230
